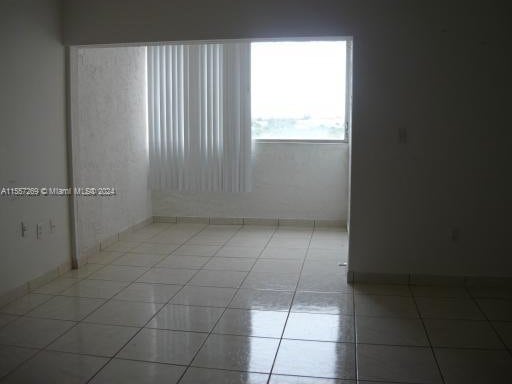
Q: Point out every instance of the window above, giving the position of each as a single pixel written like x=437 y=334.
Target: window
x=299 y=90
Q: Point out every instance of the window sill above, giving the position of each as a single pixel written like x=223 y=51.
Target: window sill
x=299 y=141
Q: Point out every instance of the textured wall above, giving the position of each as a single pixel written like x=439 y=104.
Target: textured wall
x=32 y=139
x=296 y=181
x=112 y=140
x=438 y=69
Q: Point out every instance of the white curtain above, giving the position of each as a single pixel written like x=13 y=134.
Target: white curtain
x=199 y=116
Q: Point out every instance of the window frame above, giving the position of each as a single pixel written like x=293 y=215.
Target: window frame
x=348 y=90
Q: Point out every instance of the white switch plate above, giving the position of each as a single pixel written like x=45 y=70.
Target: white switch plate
x=23 y=229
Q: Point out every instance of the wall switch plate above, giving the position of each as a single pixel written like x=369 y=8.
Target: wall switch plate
x=402 y=135
x=52 y=226
x=39 y=230
x=23 y=229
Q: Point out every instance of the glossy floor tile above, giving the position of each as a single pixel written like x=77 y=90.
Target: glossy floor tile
x=496 y=309
x=25 y=304
x=320 y=254
x=239 y=353
x=204 y=296
x=120 y=371
x=278 y=266
x=33 y=332
x=151 y=293
x=283 y=254
x=179 y=262
x=448 y=308
x=319 y=302
x=235 y=304
x=104 y=257
x=197 y=250
x=316 y=359
x=462 y=334
x=128 y=313
x=122 y=246
x=138 y=259
x=264 y=300
x=11 y=357
x=94 y=339
x=391 y=330
x=6 y=319
x=320 y=327
x=230 y=264
x=251 y=323
x=239 y=252
x=66 y=308
x=221 y=279
x=460 y=366
x=385 y=306
x=489 y=292
x=57 y=367
x=397 y=363
x=102 y=289
x=56 y=286
x=293 y=243
x=216 y=376
x=186 y=318
x=163 y=346
x=283 y=379
x=440 y=291
x=167 y=276
x=271 y=280
x=504 y=330
x=154 y=248
x=324 y=282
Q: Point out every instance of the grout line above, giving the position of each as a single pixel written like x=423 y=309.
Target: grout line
x=128 y=284
x=68 y=330
x=427 y=335
x=223 y=312
x=141 y=328
x=489 y=321
x=290 y=309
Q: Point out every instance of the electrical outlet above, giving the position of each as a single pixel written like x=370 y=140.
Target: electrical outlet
x=39 y=230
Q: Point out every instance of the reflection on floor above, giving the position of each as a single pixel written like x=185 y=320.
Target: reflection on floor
x=194 y=304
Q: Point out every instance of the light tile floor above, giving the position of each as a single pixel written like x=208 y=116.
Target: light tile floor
x=228 y=304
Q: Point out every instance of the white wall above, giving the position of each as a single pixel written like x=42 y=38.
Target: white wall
x=112 y=149
x=32 y=139
x=439 y=69
x=290 y=180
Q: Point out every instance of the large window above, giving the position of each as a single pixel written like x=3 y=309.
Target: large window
x=299 y=90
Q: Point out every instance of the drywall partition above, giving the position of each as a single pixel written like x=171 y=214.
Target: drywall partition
x=112 y=141
x=290 y=180
x=430 y=153
x=33 y=140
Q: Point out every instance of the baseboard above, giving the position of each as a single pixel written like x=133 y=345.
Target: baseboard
x=165 y=219
x=134 y=227
x=34 y=283
x=105 y=242
x=307 y=223
x=423 y=279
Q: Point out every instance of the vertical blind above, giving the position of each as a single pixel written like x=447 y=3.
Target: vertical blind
x=199 y=116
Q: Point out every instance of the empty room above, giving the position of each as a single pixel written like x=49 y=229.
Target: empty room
x=278 y=192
